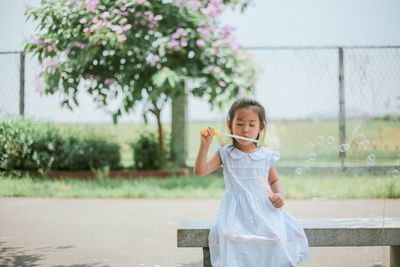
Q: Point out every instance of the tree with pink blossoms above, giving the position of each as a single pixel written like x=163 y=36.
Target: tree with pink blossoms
x=139 y=51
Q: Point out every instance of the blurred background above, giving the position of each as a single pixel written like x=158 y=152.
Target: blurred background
x=297 y=45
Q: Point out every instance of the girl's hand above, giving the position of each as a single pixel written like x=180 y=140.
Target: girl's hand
x=277 y=200
x=207 y=140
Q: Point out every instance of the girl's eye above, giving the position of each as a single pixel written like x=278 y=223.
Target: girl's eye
x=239 y=124
x=252 y=125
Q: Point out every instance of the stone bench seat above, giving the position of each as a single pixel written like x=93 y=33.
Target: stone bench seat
x=327 y=232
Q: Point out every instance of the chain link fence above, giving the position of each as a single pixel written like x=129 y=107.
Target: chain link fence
x=299 y=88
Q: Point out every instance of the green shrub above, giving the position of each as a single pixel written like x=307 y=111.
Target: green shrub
x=30 y=145
x=83 y=153
x=146 y=152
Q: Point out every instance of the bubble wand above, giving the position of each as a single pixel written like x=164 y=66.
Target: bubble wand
x=204 y=132
x=266 y=186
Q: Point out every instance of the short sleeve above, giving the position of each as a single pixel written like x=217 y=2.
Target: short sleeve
x=274 y=156
x=222 y=153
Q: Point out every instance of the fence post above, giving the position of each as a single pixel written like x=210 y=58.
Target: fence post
x=342 y=117
x=22 y=84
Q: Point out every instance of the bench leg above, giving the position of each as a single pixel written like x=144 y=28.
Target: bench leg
x=394 y=256
x=206 y=257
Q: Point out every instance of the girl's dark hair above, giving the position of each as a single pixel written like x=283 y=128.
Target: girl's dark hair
x=247 y=103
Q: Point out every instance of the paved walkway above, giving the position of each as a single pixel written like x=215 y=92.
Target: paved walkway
x=142 y=232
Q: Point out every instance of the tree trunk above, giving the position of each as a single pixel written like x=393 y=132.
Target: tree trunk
x=179 y=135
x=161 y=145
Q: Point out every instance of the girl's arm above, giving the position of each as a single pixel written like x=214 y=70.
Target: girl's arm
x=202 y=166
x=276 y=187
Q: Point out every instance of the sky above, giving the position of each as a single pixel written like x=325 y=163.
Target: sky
x=265 y=23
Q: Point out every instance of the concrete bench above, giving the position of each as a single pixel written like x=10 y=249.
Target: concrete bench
x=329 y=232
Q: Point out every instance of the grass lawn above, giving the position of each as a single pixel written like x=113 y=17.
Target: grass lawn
x=300 y=187
x=292 y=138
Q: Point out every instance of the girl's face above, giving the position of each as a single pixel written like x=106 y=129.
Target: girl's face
x=246 y=123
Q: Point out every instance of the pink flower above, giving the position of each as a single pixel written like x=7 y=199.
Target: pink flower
x=181 y=32
x=109 y=81
x=85 y=29
x=178 y=33
x=173 y=43
x=105 y=15
x=91 y=5
x=33 y=38
x=94 y=27
x=37 y=82
x=149 y=14
x=205 y=33
x=222 y=83
x=117 y=29
x=184 y=43
x=158 y=18
x=156 y=58
x=177 y=5
x=122 y=37
x=83 y=21
x=227 y=29
x=200 y=43
x=127 y=27
x=175 y=35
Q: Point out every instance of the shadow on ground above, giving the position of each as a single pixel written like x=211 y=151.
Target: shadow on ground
x=17 y=256
x=20 y=257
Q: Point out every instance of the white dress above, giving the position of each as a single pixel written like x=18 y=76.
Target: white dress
x=248 y=230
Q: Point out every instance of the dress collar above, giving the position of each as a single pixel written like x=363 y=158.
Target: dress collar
x=260 y=153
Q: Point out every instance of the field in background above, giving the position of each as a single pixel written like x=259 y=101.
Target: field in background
x=371 y=141
x=299 y=187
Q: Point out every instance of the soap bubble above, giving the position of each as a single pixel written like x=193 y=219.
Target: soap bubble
x=312 y=156
x=396 y=174
x=299 y=171
x=365 y=144
x=330 y=140
x=371 y=158
x=320 y=140
x=310 y=146
x=360 y=139
x=307 y=163
x=343 y=148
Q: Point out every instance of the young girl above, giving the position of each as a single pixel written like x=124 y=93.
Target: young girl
x=251 y=229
